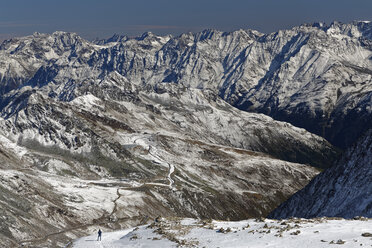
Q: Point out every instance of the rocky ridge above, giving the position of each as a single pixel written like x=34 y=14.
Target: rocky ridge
x=343 y=190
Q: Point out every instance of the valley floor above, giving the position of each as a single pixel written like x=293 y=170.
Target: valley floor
x=175 y=232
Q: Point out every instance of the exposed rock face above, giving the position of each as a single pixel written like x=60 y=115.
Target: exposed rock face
x=343 y=190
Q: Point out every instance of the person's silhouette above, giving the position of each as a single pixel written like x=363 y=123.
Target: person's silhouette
x=99 y=235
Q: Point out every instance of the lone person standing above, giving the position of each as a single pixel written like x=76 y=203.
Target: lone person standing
x=99 y=235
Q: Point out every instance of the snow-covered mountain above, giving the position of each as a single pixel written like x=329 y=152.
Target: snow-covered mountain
x=344 y=190
x=314 y=76
x=118 y=131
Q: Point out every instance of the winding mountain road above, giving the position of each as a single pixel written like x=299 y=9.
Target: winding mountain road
x=152 y=152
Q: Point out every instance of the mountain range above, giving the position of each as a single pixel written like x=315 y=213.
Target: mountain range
x=314 y=76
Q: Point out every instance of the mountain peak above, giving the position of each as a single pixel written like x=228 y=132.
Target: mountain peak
x=115 y=38
x=146 y=35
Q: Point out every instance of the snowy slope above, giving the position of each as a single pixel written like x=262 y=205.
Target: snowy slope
x=50 y=196
x=249 y=233
x=343 y=190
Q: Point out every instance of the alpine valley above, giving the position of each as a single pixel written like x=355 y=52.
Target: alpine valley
x=211 y=125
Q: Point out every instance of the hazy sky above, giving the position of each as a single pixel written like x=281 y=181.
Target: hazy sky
x=94 y=18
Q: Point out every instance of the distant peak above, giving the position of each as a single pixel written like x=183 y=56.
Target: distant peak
x=63 y=33
x=209 y=31
x=116 y=38
x=240 y=32
x=146 y=35
x=59 y=33
x=319 y=24
x=207 y=34
x=366 y=22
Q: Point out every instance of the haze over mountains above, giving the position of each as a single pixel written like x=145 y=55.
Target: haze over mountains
x=205 y=125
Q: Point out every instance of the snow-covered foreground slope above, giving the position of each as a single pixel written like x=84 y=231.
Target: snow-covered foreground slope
x=49 y=198
x=344 y=190
x=287 y=233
